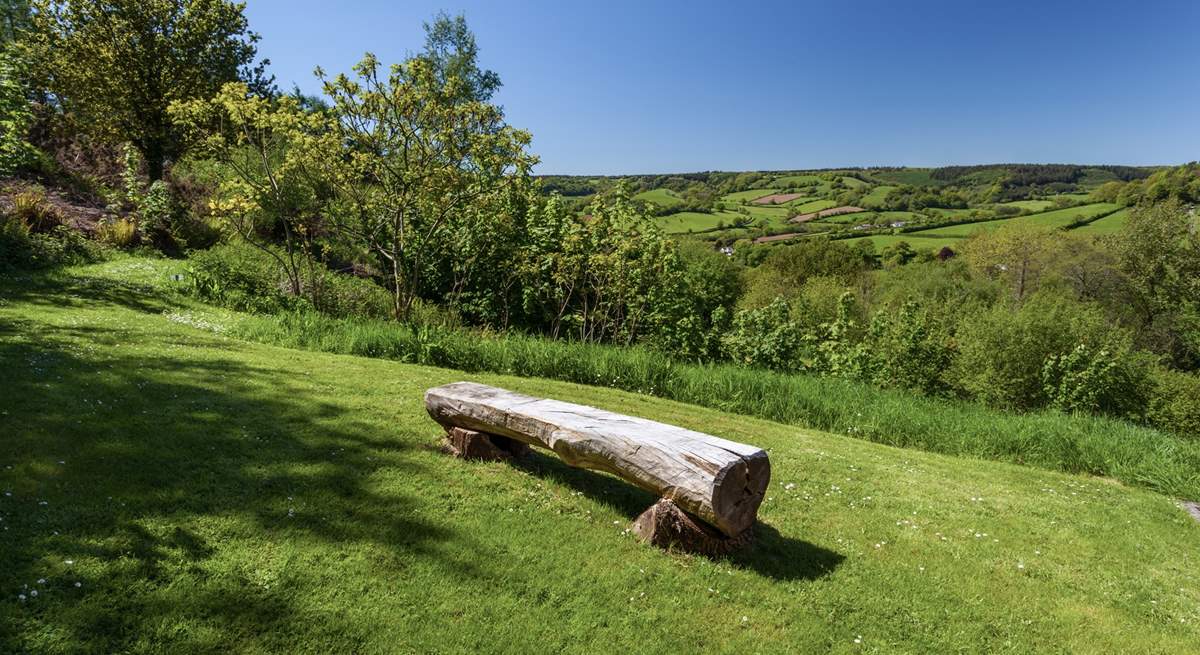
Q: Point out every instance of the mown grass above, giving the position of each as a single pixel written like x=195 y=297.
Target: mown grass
x=209 y=494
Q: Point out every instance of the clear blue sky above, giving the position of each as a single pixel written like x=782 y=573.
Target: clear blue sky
x=650 y=87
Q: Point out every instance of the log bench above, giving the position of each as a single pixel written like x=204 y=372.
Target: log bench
x=710 y=487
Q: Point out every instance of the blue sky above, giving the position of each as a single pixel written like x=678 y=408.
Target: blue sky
x=655 y=87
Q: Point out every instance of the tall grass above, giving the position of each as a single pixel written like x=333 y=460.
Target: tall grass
x=1072 y=443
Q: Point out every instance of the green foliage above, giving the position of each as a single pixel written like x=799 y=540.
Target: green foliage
x=32 y=207
x=21 y=248
x=1106 y=379
x=765 y=337
x=910 y=350
x=15 y=118
x=117 y=232
x=242 y=277
x=1175 y=406
x=115 y=66
x=1004 y=354
x=787 y=267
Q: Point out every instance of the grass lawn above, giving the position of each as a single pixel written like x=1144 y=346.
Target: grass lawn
x=914 y=176
x=1110 y=224
x=660 y=197
x=170 y=489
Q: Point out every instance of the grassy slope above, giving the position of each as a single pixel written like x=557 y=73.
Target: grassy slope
x=660 y=197
x=747 y=196
x=1110 y=224
x=170 y=458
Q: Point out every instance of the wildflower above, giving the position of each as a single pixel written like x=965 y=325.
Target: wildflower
x=858 y=639
x=78 y=584
x=21 y=597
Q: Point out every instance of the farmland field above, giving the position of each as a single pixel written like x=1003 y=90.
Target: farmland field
x=813 y=206
x=1105 y=225
x=1031 y=205
x=696 y=221
x=660 y=197
x=877 y=195
x=747 y=196
x=871 y=217
x=1056 y=218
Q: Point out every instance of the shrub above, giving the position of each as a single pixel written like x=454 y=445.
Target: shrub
x=765 y=337
x=242 y=277
x=1108 y=379
x=16 y=247
x=32 y=208
x=117 y=232
x=20 y=248
x=909 y=350
x=1003 y=353
x=1175 y=406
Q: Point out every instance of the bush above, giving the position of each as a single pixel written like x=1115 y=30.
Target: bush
x=909 y=350
x=242 y=277
x=20 y=248
x=1175 y=406
x=32 y=208
x=1108 y=379
x=765 y=337
x=1027 y=358
x=117 y=232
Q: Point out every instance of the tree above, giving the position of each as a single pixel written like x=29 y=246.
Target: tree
x=451 y=52
x=14 y=17
x=270 y=190
x=1016 y=254
x=117 y=65
x=1158 y=251
x=412 y=155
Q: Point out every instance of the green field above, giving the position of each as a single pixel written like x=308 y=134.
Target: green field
x=746 y=196
x=1030 y=205
x=935 y=243
x=660 y=197
x=874 y=217
x=877 y=195
x=813 y=206
x=176 y=490
x=696 y=221
x=791 y=180
x=1107 y=225
x=1051 y=219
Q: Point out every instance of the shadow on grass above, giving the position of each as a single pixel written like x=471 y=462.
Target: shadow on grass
x=772 y=554
x=142 y=469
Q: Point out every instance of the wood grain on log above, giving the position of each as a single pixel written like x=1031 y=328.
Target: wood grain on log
x=719 y=481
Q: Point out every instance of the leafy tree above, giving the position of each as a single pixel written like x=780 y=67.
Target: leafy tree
x=117 y=65
x=1158 y=251
x=15 y=118
x=270 y=190
x=14 y=17
x=451 y=52
x=409 y=154
x=1016 y=254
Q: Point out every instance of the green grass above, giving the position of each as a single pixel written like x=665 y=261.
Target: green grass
x=813 y=206
x=1051 y=219
x=877 y=195
x=210 y=494
x=1031 y=205
x=876 y=217
x=746 y=196
x=660 y=197
x=1110 y=224
x=680 y=222
x=790 y=180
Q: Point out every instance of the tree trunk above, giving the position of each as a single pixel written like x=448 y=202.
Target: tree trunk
x=720 y=482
